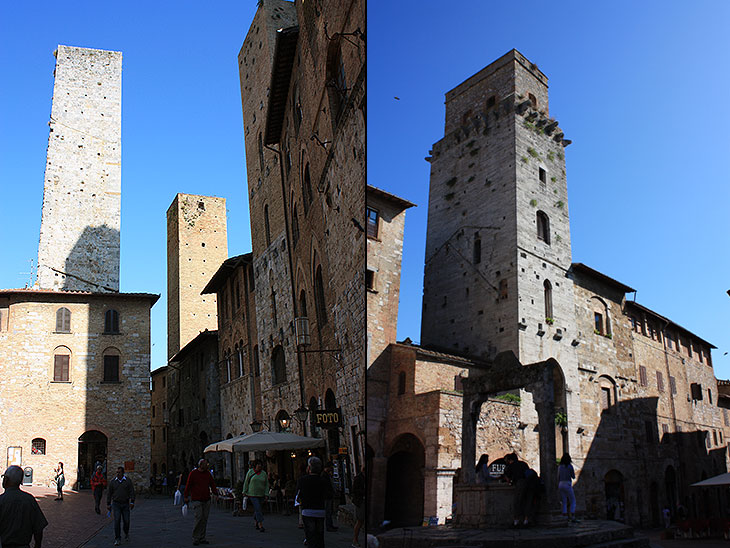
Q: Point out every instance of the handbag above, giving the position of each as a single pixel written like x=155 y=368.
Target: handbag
x=178 y=498
x=244 y=504
x=185 y=510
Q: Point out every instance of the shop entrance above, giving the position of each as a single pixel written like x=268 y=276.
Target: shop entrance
x=92 y=450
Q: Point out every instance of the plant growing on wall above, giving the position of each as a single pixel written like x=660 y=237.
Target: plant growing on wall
x=533 y=202
x=549 y=321
x=561 y=419
x=508 y=397
x=532 y=152
x=524 y=159
x=559 y=204
x=551 y=157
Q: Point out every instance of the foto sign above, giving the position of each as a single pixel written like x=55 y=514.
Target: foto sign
x=328 y=418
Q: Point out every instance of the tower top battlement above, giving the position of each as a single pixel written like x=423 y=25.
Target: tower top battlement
x=511 y=74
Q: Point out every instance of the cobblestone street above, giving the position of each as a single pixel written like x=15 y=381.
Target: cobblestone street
x=155 y=522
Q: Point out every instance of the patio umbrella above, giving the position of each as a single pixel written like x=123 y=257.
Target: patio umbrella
x=275 y=441
x=224 y=445
x=722 y=479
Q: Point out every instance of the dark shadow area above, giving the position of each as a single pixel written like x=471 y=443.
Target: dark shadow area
x=93 y=263
x=633 y=469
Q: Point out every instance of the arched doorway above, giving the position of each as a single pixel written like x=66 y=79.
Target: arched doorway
x=614 y=485
x=92 y=450
x=404 y=482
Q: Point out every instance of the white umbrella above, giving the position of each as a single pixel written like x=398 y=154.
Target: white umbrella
x=722 y=479
x=224 y=445
x=275 y=441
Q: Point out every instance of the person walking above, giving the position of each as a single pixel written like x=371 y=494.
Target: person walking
x=358 y=499
x=20 y=516
x=255 y=488
x=566 y=475
x=329 y=502
x=312 y=491
x=120 y=498
x=198 y=488
x=60 y=480
x=98 y=483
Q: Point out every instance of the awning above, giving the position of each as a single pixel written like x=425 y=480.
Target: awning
x=266 y=441
x=722 y=479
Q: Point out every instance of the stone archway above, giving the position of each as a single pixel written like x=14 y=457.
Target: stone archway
x=92 y=449
x=614 y=489
x=404 y=488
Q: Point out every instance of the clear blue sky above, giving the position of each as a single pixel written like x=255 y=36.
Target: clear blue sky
x=640 y=87
x=182 y=128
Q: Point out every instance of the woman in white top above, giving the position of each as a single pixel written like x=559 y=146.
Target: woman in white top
x=566 y=475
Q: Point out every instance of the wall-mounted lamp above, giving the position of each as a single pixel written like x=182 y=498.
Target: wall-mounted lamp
x=580 y=430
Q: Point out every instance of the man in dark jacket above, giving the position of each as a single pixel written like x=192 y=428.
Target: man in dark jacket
x=312 y=491
x=20 y=516
x=121 y=499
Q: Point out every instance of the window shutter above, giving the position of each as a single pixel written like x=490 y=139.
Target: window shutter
x=642 y=375
x=673 y=384
x=60 y=368
x=111 y=368
x=659 y=381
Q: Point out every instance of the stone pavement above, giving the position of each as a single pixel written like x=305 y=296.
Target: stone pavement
x=156 y=523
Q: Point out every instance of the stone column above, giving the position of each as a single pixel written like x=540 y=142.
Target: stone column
x=548 y=467
x=469 y=438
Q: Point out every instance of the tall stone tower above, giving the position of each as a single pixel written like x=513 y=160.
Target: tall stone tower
x=79 y=239
x=197 y=244
x=498 y=240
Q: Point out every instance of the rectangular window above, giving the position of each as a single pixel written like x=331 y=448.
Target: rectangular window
x=38 y=447
x=696 y=391
x=153 y=411
x=370 y=279
x=543 y=176
x=642 y=376
x=153 y=435
x=714 y=437
x=670 y=339
x=111 y=368
x=164 y=381
x=598 y=322
x=605 y=398
x=659 y=381
x=709 y=395
x=665 y=429
x=60 y=368
x=698 y=351
x=181 y=417
x=503 y=289
x=649 y=428
x=372 y=221
x=164 y=433
x=673 y=385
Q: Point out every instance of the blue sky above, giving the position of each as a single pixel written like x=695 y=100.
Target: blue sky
x=639 y=87
x=182 y=126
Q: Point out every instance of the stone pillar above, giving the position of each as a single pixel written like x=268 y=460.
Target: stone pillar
x=469 y=438
x=548 y=467
x=444 y=493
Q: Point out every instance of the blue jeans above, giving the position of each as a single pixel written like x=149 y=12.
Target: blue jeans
x=121 y=511
x=258 y=515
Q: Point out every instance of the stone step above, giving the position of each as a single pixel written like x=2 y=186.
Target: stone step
x=637 y=542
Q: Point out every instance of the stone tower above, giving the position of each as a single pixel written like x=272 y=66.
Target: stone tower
x=79 y=238
x=197 y=245
x=498 y=239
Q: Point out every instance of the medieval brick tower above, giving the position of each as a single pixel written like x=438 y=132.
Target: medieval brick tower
x=197 y=244
x=498 y=240
x=79 y=239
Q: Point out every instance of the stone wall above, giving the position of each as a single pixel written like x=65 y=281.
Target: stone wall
x=197 y=243
x=63 y=411
x=159 y=418
x=79 y=238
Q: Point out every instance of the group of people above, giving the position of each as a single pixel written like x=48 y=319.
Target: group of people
x=528 y=486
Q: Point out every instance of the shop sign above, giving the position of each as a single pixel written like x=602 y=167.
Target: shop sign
x=328 y=418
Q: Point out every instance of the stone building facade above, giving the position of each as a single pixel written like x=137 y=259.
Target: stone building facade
x=193 y=404
x=79 y=240
x=84 y=380
x=638 y=398
x=159 y=419
x=302 y=73
x=239 y=367
x=197 y=243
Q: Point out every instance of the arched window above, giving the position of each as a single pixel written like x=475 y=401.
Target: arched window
x=607 y=386
x=306 y=189
x=543 y=227
x=548 y=295
x=477 y=251
x=267 y=228
x=228 y=366
x=38 y=446
x=319 y=296
x=294 y=225
x=303 y=303
x=256 y=368
x=401 y=383
x=235 y=372
x=533 y=100
x=63 y=320
x=111 y=321
x=111 y=365
x=278 y=366
x=61 y=364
